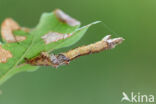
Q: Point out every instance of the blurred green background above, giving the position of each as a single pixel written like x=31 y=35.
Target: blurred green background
x=95 y=79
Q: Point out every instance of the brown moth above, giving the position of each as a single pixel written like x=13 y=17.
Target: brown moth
x=44 y=59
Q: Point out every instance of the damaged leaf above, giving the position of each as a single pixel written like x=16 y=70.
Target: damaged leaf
x=20 y=44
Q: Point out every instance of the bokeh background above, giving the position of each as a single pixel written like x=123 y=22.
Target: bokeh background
x=95 y=79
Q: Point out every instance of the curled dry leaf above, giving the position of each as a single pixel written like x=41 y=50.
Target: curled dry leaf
x=4 y=55
x=54 y=36
x=7 y=28
x=66 y=18
x=64 y=58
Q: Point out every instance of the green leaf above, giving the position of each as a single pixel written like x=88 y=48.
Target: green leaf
x=34 y=44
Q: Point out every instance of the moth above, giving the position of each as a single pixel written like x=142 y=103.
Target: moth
x=45 y=59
